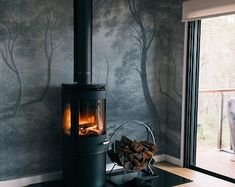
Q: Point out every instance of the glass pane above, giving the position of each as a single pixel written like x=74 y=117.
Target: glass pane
x=91 y=119
x=67 y=119
x=216 y=87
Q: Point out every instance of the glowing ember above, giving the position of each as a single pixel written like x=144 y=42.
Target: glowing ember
x=67 y=120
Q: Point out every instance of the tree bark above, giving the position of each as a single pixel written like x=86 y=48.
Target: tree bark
x=150 y=104
x=17 y=73
x=107 y=82
x=48 y=82
x=145 y=45
x=20 y=94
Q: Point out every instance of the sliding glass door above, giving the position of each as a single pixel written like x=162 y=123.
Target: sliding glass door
x=210 y=93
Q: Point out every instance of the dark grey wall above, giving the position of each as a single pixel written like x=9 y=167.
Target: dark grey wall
x=137 y=52
x=36 y=48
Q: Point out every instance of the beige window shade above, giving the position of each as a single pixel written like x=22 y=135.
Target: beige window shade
x=198 y=9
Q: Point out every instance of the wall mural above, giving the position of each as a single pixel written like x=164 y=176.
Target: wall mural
x=36 y=56
x=138 y=53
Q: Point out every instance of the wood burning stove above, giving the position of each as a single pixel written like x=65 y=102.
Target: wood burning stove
x=84 y=134
x=83 y=111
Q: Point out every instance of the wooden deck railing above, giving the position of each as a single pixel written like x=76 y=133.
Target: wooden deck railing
x=220 y=126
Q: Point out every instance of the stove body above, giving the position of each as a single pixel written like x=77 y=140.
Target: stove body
x=84 y=134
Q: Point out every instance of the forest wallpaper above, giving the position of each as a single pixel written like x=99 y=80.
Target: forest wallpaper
x=36 y=56
x=137 y=53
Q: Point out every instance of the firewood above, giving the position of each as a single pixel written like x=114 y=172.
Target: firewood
x=88 y=132
x=145 y=156
x=136 y=162
x=114 y=157
x=92 y=132
x=119 y=143
x=148 y=146
x=122 y=160
x=86 y=125
x=137 y=147
x=120 y=148
x=126 y=141
x=126 y=151
x=128 y=165
x=132 y=155
x=138 y=156
x=120 y=154
x=149 y=154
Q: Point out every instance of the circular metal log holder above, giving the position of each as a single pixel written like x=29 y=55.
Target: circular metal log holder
x=115 y=133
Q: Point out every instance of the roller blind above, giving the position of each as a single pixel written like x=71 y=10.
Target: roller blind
x=198 y=9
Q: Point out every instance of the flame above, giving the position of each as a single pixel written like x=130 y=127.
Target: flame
x=86 y=119
x=89 y=125
x=67 y=120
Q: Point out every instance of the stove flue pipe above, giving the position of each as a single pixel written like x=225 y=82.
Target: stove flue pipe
x=83 y=41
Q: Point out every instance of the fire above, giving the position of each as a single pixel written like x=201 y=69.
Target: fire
x=86 y=120
x=67 y=120
x=89 y=126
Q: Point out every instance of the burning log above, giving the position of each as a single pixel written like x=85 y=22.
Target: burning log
x=89 y=130
x=86 y=125
x=130 y=154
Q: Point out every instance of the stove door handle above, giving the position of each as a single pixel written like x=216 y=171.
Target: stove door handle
x=106 y=142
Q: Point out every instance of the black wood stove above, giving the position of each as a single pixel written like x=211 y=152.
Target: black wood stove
x=84 y=111
x=84 y=134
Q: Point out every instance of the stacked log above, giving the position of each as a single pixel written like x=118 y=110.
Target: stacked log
x=132 y=155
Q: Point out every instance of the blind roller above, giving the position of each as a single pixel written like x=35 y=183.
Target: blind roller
x=198 y=9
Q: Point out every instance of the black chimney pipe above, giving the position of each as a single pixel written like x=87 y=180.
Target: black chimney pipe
x=83 y=41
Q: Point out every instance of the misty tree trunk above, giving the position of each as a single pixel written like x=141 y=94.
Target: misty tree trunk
x=48 y=81
x=145 y=45
x=107 y=82
x=9 y=47
x=20 y=84
x=42 y=96
x=150 y=104
x=19 y=80
x=49 y=50
x=20 y=94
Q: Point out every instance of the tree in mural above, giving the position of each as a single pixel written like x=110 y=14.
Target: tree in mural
x=24 y=36
x=28 y=31
x=171 y=92
x=8 y=43
x=136 y=32
x=109 y=91
x=140 y=30
x=49 y=45
x=144 y=37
